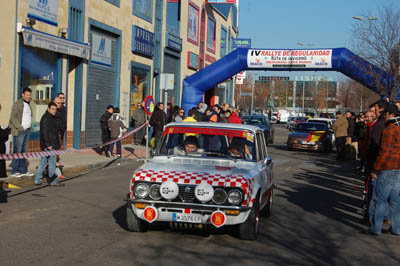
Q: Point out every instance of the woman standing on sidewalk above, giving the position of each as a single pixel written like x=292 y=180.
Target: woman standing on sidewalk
x=4 y=132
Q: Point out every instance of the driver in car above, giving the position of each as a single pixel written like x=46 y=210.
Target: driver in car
x=190 y=147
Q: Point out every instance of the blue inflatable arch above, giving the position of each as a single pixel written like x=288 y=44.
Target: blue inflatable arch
x=336 y=59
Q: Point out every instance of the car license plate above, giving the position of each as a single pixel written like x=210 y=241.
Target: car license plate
x=186 y=218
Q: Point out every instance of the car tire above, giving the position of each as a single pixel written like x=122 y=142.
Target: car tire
x=267 y=138
x=271 y=141
x=249 y=229
x=134 y=224
x=267 y=210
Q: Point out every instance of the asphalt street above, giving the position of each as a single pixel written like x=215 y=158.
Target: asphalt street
x=314 y=222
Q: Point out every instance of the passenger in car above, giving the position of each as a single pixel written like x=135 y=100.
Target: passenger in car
x=238 y=148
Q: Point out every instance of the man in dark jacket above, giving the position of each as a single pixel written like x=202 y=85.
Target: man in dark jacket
x=158 y=121
x=138 y=118
x=105 y=131
x=61 y=117
x=49 y=141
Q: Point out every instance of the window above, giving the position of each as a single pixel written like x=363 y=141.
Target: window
x=143 y=9
x=211 y=35
x=173 y=17
x=260 y=147
x=139 y=86
x=38 y=72
x=113 y=2
x=223 y=41
x=193 y=23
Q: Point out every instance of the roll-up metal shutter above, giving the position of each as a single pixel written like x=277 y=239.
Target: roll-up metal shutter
x=100 y=90
x=171 y=66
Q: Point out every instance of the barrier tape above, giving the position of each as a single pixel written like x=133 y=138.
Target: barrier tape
x=31 y=155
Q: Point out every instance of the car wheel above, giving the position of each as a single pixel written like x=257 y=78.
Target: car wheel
x=133 y=223
x=289 y=148
x=267 y=210
x=249 y=229
x=266 y=138
x=271 y=140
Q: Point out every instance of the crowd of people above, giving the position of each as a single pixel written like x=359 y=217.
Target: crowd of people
x=374 y=138
x=223 y=114
x=53 y=125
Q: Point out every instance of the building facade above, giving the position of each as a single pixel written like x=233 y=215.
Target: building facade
x=107 y=52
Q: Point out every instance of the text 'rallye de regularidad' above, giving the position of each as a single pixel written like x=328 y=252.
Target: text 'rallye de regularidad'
x=201 y=174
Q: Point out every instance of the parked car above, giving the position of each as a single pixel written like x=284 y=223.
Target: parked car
x=310 y=136
x=201 y=174
x=295 y=121
x=262 y=122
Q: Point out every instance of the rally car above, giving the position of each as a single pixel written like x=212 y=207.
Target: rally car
x=204 y=174
x=310 y=136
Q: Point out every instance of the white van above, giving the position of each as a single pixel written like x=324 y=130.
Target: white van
x=283 y=116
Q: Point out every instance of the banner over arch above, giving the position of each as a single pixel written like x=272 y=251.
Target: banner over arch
x=335 y=59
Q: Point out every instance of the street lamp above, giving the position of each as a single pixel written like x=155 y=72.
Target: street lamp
x=364 y=18
x=307 y=44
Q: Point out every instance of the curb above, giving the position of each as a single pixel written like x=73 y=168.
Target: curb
x=69 y=172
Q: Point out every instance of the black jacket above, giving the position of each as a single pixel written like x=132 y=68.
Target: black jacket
x=375 y=137
x=158 y=119
x=104 y=121
x=61 y=120
x=49 y=133
x=351 y=128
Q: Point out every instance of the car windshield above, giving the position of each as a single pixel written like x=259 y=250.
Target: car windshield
x=253 y=120
x=311 y=127
x=208 y=142
x=318 y=121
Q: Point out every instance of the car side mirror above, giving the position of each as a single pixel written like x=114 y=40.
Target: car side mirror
x=268 y=161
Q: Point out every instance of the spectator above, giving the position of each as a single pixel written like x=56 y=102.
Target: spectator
x=60 y=118
x=158 y=121
x=20 y=125
x=191 y=116
x=4 y=132
x=234 y=119
x=179 y=115
x=117 y=125
x=227 y=115
x=138 y=119
x=207 y=114
x=386 y=171
x=215 y=115
x=169 y=112
x=200 y=116
x=49 y=141
x=340 y=127
x=105 y=131
x=351 y=134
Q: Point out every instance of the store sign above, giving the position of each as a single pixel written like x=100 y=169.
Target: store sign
x=53 y=43
x=241 y=43
x=321 y=58
x=262 y=78
x=173 y=42
x=142 y=41
x=44 y=10
x=101 y=50
x=193 y=61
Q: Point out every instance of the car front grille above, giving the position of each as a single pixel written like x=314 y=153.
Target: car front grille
x=186 y=193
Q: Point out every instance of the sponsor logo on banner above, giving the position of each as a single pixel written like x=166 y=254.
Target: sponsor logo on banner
x=318 y=58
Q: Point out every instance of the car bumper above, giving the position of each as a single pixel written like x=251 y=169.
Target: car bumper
x=167 y=211
x=311 y=147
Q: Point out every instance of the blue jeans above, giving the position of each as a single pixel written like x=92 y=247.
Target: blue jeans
x=20 y=145
x=387 y=188
x=111 y=147
x=51 y=161
x=371 y=208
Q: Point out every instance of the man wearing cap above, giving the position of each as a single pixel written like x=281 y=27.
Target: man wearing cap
x=386 y=171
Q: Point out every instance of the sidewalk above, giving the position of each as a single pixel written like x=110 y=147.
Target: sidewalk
x=78 y=162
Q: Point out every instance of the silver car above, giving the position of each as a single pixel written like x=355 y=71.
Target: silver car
x=204 y=174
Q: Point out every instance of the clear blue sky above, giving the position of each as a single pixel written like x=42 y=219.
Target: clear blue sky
x=283 y=23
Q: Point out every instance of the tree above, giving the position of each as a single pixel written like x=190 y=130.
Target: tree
x=377 y=40
x=354 y=96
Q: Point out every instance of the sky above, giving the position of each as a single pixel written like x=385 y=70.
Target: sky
x=283 y=23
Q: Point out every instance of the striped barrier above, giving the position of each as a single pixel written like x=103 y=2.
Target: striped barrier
x=31 y=155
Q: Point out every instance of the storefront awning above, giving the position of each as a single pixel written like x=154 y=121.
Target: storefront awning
x=54 y=43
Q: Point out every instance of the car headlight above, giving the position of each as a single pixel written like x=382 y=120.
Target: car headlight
x=235 y=197
x=204 y=192
x=154 y=192
x=219 y=196
x=141 y=191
